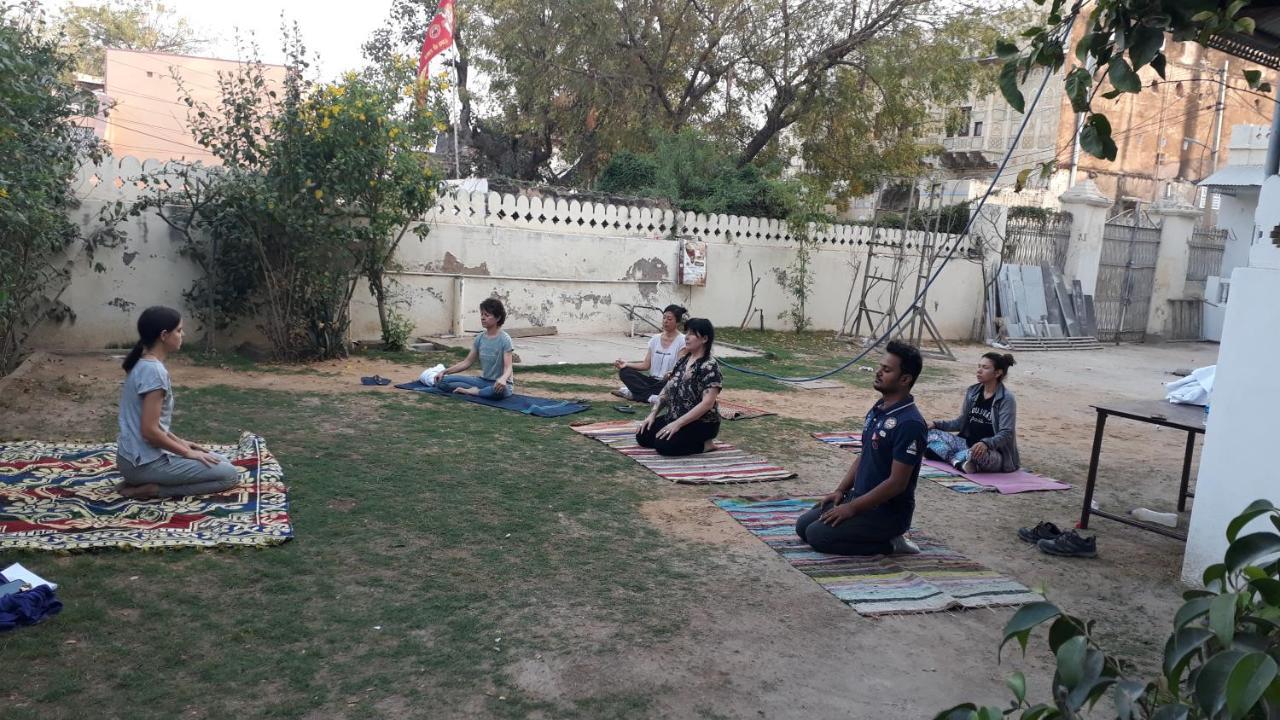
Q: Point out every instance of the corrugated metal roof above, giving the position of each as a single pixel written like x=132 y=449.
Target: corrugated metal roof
x=1235 y=176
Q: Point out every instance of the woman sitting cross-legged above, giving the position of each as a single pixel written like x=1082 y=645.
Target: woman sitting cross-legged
x=685 y=419
x=493 y=348
x=987 y=427
x=642 y=381
x=152 y=460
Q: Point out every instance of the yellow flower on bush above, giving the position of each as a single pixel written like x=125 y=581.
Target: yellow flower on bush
x=361 y=116
x=394 y=132
x=441 y=127
x=3 y=193
x=324 y=124
x=319 y=194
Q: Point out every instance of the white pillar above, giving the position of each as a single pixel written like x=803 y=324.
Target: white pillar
x=1088 y=208
x=1237 y=464
x=1177 y=223
x=455 y=328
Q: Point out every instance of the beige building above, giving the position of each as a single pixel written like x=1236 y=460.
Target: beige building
x=146 y=117
x=1170 y=136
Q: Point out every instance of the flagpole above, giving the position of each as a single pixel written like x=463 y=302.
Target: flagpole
x=457 y=112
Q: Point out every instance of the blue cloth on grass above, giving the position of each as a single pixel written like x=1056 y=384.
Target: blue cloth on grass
x=538 y=407
x=28 y=607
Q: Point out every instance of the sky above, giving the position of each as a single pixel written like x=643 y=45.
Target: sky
x=332 y=28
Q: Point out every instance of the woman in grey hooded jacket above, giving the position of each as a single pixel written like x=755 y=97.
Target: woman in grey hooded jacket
x=985 y=438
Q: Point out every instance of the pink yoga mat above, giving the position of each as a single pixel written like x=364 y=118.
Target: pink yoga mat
x=1018 y=481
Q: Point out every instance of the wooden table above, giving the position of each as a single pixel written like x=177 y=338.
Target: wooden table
x=1189 y=418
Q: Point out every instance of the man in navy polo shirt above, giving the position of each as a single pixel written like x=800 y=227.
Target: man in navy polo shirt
x=872 y=507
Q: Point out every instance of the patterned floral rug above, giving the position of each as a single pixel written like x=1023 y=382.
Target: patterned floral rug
x=61 y=496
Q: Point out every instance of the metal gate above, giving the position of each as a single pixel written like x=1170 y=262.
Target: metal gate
x=1126 y=275
x=1037 y=237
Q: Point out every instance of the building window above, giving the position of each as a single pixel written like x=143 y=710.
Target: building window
x=977 y=129
x=150 y=74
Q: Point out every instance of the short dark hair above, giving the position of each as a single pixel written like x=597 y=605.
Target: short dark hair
x=676 y=310
x=1001 y=362
x=909 y=360
x=494 y=307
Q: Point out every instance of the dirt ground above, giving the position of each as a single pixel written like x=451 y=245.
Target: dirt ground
x=775 y=644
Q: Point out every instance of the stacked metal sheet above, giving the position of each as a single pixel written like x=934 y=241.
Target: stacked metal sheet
x=1036 y=311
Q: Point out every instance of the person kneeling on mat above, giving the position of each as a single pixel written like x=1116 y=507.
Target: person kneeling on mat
x=153 y=461
x=493 y=348
x=870 y=511
x=685 y=420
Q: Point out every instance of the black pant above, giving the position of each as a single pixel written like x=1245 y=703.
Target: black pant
x=640 y=383
x=688 y=440
x=867 y=534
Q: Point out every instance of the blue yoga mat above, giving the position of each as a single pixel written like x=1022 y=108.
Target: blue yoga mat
x=538 y=407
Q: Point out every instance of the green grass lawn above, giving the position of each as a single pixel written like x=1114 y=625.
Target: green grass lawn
x=786 y=354
x=426 y=529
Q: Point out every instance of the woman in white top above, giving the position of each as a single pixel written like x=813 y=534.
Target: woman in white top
x=642 y=381
x=153 y=461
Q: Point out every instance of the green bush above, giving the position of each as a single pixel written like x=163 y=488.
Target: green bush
x=696 y=175
x=40 y=150
x=1220 y=661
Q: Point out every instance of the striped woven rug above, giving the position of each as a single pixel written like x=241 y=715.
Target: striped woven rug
x=938 y=579
x=853 y=440
x=725 y=464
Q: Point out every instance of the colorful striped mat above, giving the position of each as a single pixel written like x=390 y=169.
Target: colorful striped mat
x=736 y=411
x=936 y=580
x=725 y=464
x=843 y=438
x=62 y=496
x=948 y=477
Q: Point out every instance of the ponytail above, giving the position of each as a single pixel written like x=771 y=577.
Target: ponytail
x=134 y=356
x=152 y=323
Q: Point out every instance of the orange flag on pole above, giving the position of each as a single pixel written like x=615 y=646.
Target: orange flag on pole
x=439 y=36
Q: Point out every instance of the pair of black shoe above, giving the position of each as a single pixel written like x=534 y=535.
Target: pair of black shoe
x=1052 y=541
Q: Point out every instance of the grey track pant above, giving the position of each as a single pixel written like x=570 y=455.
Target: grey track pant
x=179 y=477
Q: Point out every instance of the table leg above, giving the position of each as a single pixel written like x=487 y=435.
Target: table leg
x=1186 y=471
x=1093 y=471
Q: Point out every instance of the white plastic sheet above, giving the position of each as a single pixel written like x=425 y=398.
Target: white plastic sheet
x=1194 y=389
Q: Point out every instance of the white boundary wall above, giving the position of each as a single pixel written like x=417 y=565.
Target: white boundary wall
x=553 y=262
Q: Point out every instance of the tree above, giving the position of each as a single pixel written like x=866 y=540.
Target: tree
x=1120 y=38
x=318 y=186
x=127 y=24
x=696 y=175
x=577 y=80
x=41 y=147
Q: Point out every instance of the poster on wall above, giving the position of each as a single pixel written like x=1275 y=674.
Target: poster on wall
x=693 y=262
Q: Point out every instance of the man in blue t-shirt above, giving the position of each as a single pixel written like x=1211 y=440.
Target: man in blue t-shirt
x=871 y=508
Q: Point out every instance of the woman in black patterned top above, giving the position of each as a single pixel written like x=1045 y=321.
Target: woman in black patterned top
x=685 y=419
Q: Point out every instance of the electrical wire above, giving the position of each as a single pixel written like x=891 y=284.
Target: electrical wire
x=933 y=277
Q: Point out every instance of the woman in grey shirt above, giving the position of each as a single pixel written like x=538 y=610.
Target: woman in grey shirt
x=152 y=460
x=986 y=437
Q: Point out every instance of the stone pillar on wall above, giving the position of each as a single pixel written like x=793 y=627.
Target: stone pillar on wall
x=1177 y=222
x=1088 y=208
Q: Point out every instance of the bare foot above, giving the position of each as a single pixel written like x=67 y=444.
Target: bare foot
x=708 y=446
x=139 y=492
x=466 y=391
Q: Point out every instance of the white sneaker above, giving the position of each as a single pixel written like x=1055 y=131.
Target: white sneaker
x=902 y=545
x=653 y=399
x=623 y=392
